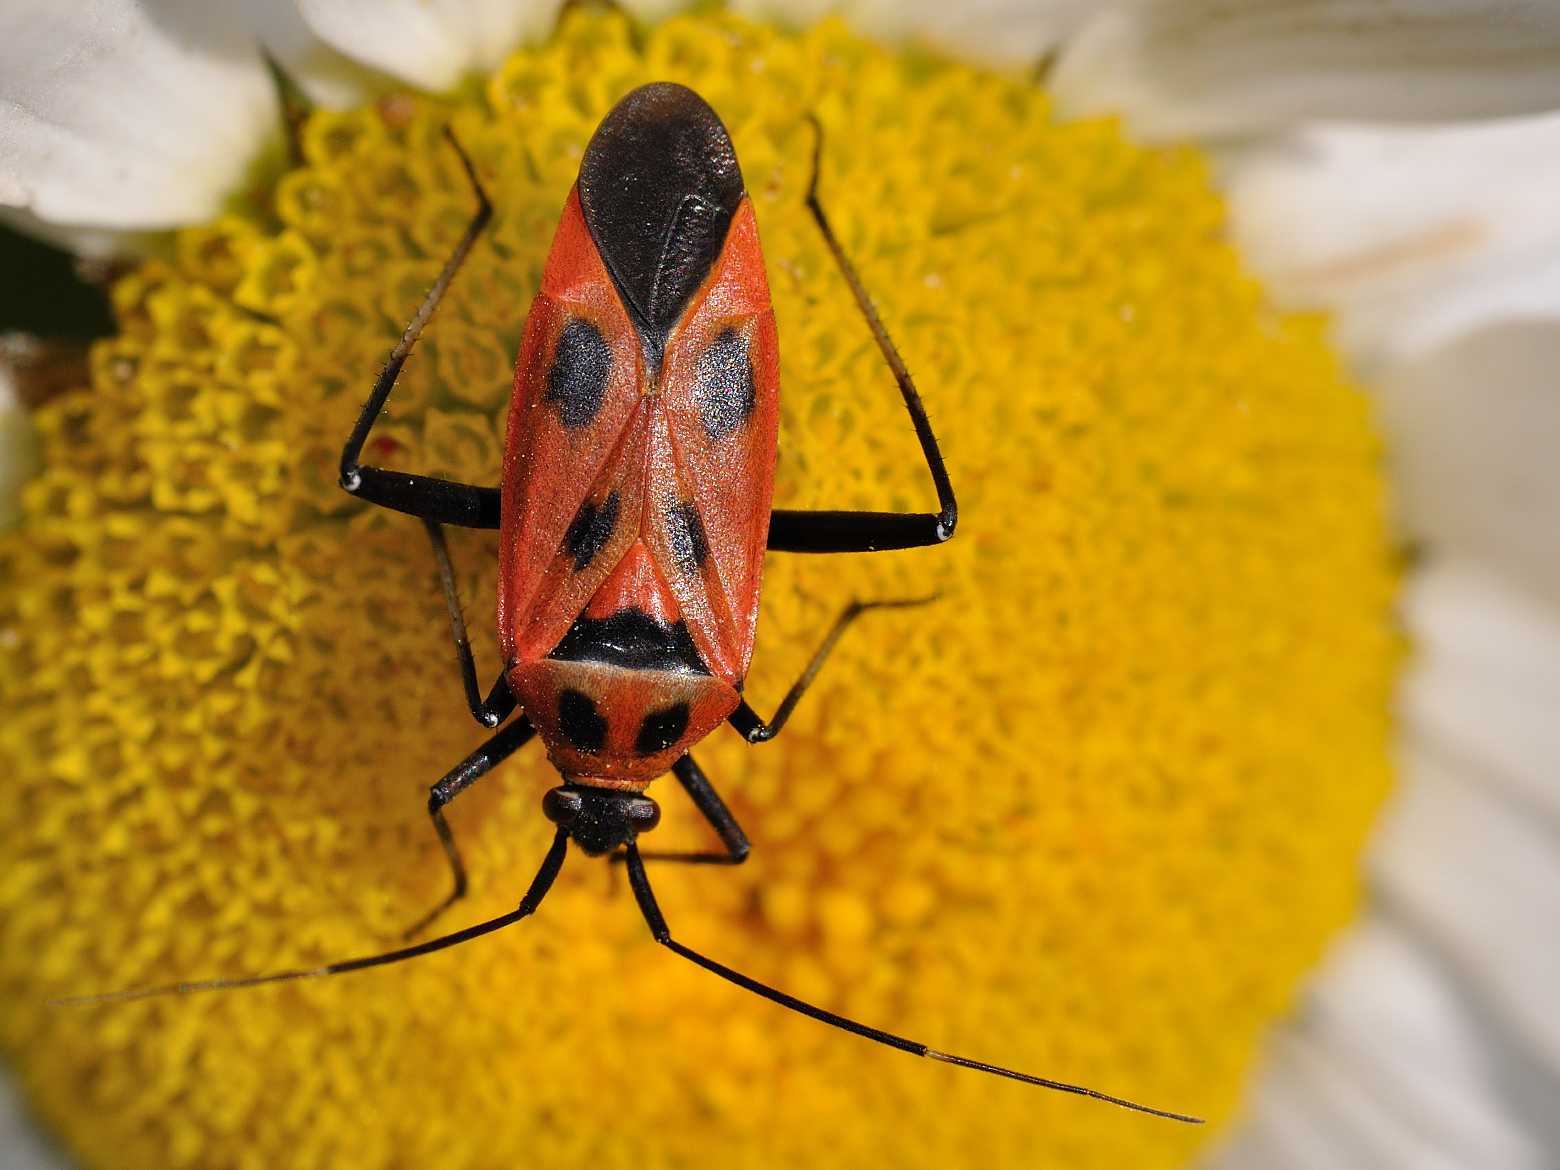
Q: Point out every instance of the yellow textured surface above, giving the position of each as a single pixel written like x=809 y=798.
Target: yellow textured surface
x=1092 y=815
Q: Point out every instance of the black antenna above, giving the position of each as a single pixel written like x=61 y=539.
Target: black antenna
x=640 y=882
x=533 y=898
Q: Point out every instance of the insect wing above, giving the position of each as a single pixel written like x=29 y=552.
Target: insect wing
x=712 y=446
x=573 y=464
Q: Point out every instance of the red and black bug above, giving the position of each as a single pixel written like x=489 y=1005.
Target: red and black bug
x=634 y=513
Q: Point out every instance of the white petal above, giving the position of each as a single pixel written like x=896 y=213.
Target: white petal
x=1003 y=32
x=18 y=449
x=22 y=1147
x=652 y=10
x=1475 y=429
x=327 y=77
x=1412 y=235
x=1211 y=67
x=1383 y=1069
x=1478 y=874
x=429 y=43
x=1486 y=680
x=128 y=115
x=1405 y=325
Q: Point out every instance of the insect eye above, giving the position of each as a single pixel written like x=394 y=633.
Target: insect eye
x=643 y=813
x=562 y=806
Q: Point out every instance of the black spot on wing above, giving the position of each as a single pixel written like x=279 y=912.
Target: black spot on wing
x=580 y=722
x=723 y=384
x=590 y=530
x=661 y=729
x=577 y=381
x=685 y=535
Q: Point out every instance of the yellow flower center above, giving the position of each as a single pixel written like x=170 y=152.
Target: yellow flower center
x=1092 y=815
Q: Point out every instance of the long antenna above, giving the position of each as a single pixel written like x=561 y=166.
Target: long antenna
x=640 y=881
x=533 y=898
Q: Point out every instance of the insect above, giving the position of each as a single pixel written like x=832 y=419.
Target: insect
x=634 y=515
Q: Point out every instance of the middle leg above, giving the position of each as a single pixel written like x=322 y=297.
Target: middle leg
x=493 y=710
x=756 y=730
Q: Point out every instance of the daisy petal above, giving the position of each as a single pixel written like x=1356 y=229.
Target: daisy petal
x=1212 y=68
x=1004 y=32
x=428 y=43
x=123 y=115
x=324 y=75
x=653 y=10
x=1407 y=325
x=1484 y=686
x=1477 y=873
x=1402 y=230
x=1383 y=1070
x=22 y=1147
x=1475 y=427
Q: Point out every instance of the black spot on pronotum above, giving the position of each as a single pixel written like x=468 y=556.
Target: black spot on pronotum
x=590 y=530
x=723 y=384
x=685 y=535
x=580 y=722
x=661 y=729
x=578 y=378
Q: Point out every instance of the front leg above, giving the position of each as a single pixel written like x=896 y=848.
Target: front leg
x=720 y=818
x=459 y=778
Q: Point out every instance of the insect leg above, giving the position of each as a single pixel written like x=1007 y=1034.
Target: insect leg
x=493 y=710
x=540 y=884
x=462 y=776
x=433 y=499
x=708 y=802
x=640 y=881
x=827 y=532
x=756 y=730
